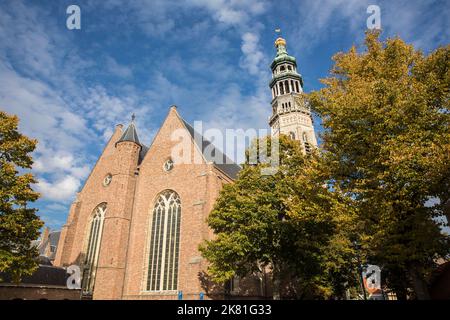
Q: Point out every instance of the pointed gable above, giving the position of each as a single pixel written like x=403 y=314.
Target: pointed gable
x=225 y=164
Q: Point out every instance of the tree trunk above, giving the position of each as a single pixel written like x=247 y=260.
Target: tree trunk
x=276 y=281
x=419 y=285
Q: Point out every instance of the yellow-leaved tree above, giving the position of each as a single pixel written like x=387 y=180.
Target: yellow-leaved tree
x=19 y=224
x=386 y=143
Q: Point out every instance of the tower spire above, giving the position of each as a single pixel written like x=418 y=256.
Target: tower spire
x=130 y=134
x=289 y=116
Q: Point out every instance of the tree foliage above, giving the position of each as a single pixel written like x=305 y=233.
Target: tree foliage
x=19 y=224
x=387 y=146
x=286 y=222
x=380 y=180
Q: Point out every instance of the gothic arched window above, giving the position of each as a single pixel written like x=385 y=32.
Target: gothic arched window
x=164 y=242
x=93 y=248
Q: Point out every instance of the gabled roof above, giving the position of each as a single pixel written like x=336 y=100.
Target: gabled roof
x=225 y=164
x=45 y=275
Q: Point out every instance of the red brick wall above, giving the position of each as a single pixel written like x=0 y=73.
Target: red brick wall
x=123 y=259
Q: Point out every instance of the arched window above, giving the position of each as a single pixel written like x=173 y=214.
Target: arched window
x=286 y=83
x=281 y=88
x=292 y=86
x=93 y=248
x=292 y=135
x=297 y=87
x=164 y=243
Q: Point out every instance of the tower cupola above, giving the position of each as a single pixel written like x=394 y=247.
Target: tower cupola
x=290 y=116
x=285 y=78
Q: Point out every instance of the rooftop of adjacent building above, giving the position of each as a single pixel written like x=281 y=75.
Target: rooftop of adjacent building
x=48 y=238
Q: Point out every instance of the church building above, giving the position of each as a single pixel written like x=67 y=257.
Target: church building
x=135 y=226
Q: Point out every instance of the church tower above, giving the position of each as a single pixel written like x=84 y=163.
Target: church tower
x=290 y=116
x=112 y=253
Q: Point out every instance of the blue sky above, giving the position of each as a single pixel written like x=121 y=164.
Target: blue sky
x=210 y=58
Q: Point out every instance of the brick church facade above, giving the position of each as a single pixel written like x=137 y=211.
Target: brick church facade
x=135 y=227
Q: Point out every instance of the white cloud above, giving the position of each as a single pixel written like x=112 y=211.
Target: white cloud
x=414 y=21
x=233 y=110
x=57 y=162
x=60 y=190
x=42 y=71
x=60 y=164
x=43 y=112
x=233 y=12
x=253 y=56
x=39 y=82
x=117 y=69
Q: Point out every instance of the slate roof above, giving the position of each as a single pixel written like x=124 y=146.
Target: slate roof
x=130 y=134
x=142 y=153
x=220 y=160
x=44 y=275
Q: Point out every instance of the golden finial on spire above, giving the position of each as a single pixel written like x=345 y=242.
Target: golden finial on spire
x=280 y=40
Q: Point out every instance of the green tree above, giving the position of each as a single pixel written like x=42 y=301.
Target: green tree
x=387 y=146
x=317 y=202
x=19 y=225
x=283 y=222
